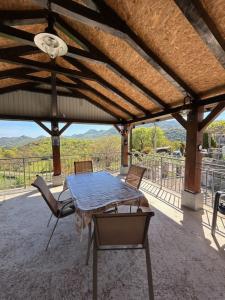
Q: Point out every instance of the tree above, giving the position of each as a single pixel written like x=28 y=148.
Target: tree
x=145 y=138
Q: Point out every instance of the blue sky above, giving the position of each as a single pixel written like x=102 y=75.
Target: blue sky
x=18 y=128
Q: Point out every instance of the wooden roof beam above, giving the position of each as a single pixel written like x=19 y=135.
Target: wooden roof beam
x=27 y=38
x=212 y=115
x=108 y=86
x=195 y=13
x=178 y=109
x=180 y=119
x=12 y=88
x=21 y=17
x=46 y=80
x=40 y=66
x=110 y=22
x=74 y=35
x=82 y=85
x=50 y=119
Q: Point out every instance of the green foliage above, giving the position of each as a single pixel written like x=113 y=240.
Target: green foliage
x=144 y=139
x=216 y=127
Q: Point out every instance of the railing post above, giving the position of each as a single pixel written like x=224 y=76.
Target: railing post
x=24 y=172
x=161 y=179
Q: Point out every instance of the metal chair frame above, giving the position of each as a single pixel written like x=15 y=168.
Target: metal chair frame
x=215 y=211
x=60 y=210
x=144 y=245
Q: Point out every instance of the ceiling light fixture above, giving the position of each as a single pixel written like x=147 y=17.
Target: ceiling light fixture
x=48 y=41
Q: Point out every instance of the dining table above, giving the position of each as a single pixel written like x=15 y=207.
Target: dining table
x=96 y=192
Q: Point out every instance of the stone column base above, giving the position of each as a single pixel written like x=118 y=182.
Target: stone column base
x=192 y=201
x=57 y=180
x=123 y=170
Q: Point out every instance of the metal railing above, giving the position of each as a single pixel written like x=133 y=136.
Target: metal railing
x=168 y=172
x=20 y=172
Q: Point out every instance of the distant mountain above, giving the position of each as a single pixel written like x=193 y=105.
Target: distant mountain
x=173 y=130
x=9 y=142
x=93 y=134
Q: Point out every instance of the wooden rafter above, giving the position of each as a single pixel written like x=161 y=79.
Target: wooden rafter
x=82 y=85
x=107 y=85
x=19 y=17
x=180 y=119
x=42 y=80
x=178 y=109
x=195 y=13
x=59 y=119
x=94 y=56
x=64 y=128
x=110 y=22
x=44 y=127
x=212 y=115
x=40 y=66
x=100 y=57
x=16 y=87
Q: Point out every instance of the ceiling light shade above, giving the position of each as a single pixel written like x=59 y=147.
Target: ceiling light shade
x=51 y=44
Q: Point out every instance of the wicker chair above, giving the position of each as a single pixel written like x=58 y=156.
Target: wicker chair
x=113 y=230
x=60 y=209
x=135 y=175
x=83 y=166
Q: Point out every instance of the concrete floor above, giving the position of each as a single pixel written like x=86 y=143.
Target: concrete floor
x=187 y=263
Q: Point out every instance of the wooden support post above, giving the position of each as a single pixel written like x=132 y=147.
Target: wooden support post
x=56 y=149
x=124 y=149
x=192 y=181
x=130 y=143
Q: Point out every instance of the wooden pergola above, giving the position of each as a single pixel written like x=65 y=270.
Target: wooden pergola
x=128 y=62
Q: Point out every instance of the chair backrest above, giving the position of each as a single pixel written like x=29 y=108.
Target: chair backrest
x=41 y=185
x=135 y=175
x=121 y=229
x=83 y=166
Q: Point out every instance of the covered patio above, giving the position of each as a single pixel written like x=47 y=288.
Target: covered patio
x=187 y=262
x=124 y=63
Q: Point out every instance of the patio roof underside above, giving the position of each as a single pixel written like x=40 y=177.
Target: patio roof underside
x=128 y=61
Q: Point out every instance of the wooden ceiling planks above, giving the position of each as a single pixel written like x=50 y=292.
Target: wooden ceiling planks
x=163 y=28
x=168 y=33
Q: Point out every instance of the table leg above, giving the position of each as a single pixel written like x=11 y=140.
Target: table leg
x=89 y=242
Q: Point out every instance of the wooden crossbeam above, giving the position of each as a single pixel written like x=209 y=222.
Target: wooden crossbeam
x=93 y=56
x=21 y=17
x=84 y=86
x=78 y=94
x=180 y=119
x=100 y=57
x=43 y=80
x=50 y=119
x=118 y=128
x=64 y=128
x=212 y=115
x=110 y=22
x=40 y=66
x=196 y=14
x=44 y=127
x=107 y=85
x=15 y=72
x=178 y=109
x=16 y=87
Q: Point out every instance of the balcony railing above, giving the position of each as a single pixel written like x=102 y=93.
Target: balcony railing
x=20 y=172
x=168 y=172
x=165 y=171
